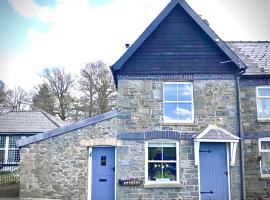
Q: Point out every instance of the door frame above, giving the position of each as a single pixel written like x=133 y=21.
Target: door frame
x=90 y=164
x=228 y=169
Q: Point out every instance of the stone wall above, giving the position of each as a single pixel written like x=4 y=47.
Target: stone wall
x=256 y=187
x=57 y=168
x=249 y=109
x=134 y=151
x=140 y=100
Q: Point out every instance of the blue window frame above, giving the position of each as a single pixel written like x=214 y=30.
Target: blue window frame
x=178 y=102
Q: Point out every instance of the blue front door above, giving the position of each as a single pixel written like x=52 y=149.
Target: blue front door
x=103 y=173
x=213 y=171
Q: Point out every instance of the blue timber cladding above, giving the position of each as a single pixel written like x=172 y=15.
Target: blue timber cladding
x=178 y=45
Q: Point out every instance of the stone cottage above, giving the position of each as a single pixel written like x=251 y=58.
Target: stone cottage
x=178 y=130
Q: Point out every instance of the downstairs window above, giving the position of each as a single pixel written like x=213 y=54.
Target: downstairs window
x=162 y=162
x=264 y=148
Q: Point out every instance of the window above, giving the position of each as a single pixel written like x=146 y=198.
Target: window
x=178 y=102
x=162 y=162
x=8 y=149
x=264 y=148
x=263 y=102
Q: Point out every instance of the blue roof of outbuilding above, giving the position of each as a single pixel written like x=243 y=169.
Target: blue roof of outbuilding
x=68 y=128
x=222 y=45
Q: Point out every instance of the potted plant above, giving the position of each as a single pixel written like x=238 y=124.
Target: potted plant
x=165 y=177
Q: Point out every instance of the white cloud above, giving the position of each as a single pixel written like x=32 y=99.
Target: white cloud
x=81 y=33
x=29 y=9
x=182 y=112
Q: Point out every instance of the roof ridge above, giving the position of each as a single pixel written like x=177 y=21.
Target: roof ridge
x=49 y=117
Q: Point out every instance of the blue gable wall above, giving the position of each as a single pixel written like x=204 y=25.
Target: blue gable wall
x=178 y=45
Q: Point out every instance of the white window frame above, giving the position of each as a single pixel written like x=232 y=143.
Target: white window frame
x=263 y=151
x=7 y=148
x=261 y=97
x=192 y=103
x=177 y=162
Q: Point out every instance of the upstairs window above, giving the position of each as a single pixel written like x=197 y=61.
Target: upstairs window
x=263 y=102
x=264 y=148
x=178 y=102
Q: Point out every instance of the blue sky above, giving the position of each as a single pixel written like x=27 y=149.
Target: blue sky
x=43 y=33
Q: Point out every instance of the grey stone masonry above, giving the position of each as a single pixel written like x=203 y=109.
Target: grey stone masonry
x=134 y=152
x=57 y=168
x=140 y=101
x=256 y=186
x=141 y=105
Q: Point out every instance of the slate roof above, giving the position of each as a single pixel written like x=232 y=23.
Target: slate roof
x=67 y=128
x=256 y=55
x=28 y=122
x=213 y=132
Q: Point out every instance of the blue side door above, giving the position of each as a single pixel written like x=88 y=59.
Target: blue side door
x=213 y=171
x=103 y=173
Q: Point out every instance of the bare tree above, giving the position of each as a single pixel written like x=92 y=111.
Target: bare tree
x=3 y=96
x=59 y=83
x=96 y=84
x=17 y=99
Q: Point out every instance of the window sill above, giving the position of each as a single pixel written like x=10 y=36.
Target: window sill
x=181 y=123
x=263 y=120
x=265 y=177
x=162 y=185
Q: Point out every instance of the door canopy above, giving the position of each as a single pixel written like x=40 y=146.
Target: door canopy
x=214 y=133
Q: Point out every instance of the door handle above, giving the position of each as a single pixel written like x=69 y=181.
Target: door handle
x=226 y=173
x=113 y=168
x=210 y=192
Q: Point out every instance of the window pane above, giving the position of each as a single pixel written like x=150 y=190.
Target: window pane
x=170 y=93
x=169 y=153
x=265 y=163
x=184 y=111
x=13 y=155
x=154 y=171
x=265 y=145
x=169 y=171
x=184 y=92
x=2 y=141
x=264 y=108
x=2 y=156
x=13 y=140
x=170 y=111
x=154 y=153
x=263 y=92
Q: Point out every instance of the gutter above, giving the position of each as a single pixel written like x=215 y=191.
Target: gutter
x=241 y=135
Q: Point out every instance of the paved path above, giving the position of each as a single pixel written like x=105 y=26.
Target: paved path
x=9 y=198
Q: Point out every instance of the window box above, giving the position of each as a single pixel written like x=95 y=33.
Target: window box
x=130 y=182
